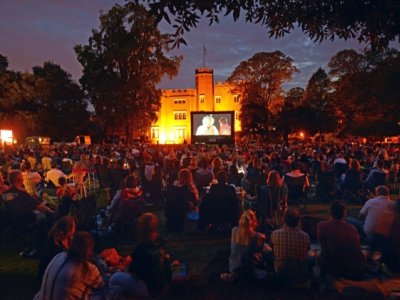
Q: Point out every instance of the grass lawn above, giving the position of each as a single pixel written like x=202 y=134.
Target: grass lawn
x=206 y=255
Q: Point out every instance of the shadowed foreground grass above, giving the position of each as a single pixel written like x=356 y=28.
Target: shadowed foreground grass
x=206 y=255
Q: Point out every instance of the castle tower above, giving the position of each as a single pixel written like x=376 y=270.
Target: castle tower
x=204 y=89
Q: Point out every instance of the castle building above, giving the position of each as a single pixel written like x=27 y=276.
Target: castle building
x=173 y=125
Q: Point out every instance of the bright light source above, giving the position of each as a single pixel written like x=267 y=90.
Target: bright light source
x=162 y=138
x=6 y=136
x=302 y=134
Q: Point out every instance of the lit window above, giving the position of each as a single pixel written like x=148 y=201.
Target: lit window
x=180 y=132
x=180 y=101
x=236 y=98
x=180 y=115
x=154 y=133
x=202 y=98
x=217 y=99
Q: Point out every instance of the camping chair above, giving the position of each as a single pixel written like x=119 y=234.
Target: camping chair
x=325 y=188
x=266 y=206
x=377 y=180
x=296 y=191
x=218 y=209
x=130 y=209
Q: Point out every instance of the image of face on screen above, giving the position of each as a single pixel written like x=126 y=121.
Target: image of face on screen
x=224 y=127
x=207 y=127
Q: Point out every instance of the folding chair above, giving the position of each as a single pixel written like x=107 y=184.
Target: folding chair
x=296 y=191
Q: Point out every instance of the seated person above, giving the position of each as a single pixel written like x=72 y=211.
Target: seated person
x=24 y=210
x=352 y=179
x=377 y=215
x=220 y=205
x=377 y=176
x=391 y=248
x=64 y=189
x=71 y=274
x=130 y=192
x=53 y=175
x=59 y=240
x=67 y=197
x=290 y=246
x=181 y=197
x=31 y=179
x=296 y=182
x=202 y=177
x=150 y=261
x=245 y=241
x=341 y=253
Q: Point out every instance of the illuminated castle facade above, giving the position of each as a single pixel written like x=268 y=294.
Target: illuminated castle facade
x=173 y=125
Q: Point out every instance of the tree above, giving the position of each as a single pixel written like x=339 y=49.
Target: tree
x=287 y=121
x=318 y=97
x=3 y=63
x=366 y=90
x=62 y=110
x=122 y=63
x=375 y=22
x=18 y=101
x=259 y=79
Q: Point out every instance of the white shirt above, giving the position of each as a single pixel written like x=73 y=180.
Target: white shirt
x=53 y=175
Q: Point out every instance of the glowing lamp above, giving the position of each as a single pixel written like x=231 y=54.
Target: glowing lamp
x=6 y=136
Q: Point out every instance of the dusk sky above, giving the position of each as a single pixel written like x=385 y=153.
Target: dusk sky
x=35 y=31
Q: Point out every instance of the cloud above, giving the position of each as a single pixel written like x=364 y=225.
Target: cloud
x=33 y=32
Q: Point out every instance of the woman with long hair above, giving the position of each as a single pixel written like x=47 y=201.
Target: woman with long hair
x=181 y=197
x=278 y=190
x=59 y=240
x=245 y=240
x=71 y=275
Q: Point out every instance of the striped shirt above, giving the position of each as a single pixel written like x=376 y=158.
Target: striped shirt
x=68 y=280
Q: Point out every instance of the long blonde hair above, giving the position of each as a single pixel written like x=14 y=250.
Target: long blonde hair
x=245 y=231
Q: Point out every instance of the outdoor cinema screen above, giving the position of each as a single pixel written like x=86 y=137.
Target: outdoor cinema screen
x=212 y=127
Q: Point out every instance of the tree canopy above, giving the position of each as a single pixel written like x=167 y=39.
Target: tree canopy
x=259 y=80
x=122 y=63
x=375 y=22
x=44 y=102
x=366 y=90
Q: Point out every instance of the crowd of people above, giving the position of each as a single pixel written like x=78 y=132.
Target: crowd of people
x=253 y=189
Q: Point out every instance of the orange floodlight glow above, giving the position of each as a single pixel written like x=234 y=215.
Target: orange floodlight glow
x=6 y=136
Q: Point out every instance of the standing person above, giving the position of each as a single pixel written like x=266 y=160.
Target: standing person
x=150 y=262
x=290 y=246
x=71 y=275
x=341 y=253
x=181 y=197
x=59 y=240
